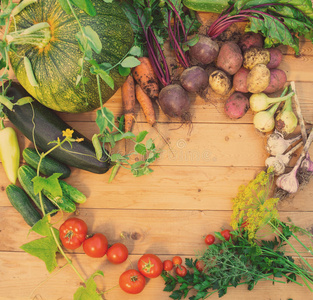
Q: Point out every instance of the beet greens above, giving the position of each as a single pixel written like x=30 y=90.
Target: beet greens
x=154 y=21
x=281 y=22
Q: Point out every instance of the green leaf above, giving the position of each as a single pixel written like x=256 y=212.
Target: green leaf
x=45 y=249
x=50 y=184
x=150 y=145
x=108 y=1
x=141 y=149
x=65 y=6
x=130 y=62
x=127 y=135
x=43 y=226
x=90 y=291
x=141 y=136
x=84 y=45
x=2 y=63
x=86 y=6
x=135 y=51
x=92 y=39
x=123 y=71
x=116 y=156
x=104 y=119
x=107 y=78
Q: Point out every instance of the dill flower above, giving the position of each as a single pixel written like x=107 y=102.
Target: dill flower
x=253 y=206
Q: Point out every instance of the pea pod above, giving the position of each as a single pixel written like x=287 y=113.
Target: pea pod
x=9 y=152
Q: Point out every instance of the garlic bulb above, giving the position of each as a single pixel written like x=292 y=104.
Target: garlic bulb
x=276 y=144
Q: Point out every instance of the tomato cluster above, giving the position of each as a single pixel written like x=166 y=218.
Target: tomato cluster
x=73 y=234
x=210 y=238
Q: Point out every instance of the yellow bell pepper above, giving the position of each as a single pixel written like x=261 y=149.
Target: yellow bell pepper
x=9 y=152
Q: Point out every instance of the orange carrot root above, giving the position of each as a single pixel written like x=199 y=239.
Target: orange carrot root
x=129 y=100
x=146 y=105
x=146 y=78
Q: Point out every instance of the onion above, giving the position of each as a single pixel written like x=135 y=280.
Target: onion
x=261 y=101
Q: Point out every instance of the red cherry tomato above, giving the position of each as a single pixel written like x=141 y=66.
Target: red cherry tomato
x=200 y=265
x=209 y=239
x=167 y=265
x=132 y=282
x=150 y=265
x=117 y=253
x=96 y=246
x=226 y=234
x=73 y=233
x=181 y=271
x=177 y=260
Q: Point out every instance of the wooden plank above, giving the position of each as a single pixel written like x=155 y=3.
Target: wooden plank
x=199 y=188
x=168 y=232
x=17 y=268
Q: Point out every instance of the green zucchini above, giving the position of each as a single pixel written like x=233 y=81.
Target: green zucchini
x=22 y=204
x=48 y=165
x=72 y=193
x=25 y=175
x=49 y=127
x=66 y=204
x=214 y=6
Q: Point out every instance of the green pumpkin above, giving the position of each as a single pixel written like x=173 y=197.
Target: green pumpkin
x=56 y=65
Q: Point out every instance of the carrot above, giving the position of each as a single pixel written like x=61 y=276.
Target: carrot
x=129 y=100
x=146 y=105
x=146 y=78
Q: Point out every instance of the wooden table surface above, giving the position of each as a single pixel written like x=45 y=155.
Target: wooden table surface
x=168 y=212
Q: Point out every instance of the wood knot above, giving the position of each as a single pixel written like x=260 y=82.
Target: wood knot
x=135 y=236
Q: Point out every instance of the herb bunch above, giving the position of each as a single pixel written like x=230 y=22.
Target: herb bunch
x=246 y=258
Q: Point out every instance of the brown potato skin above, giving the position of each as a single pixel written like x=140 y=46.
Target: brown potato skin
x=278 y=78
x=236 y=106
x=220 y=82
x=229 y=58
x=254 y=56
x=250 y=39
x=276 y=57
x=258 y=79
x=240 y=80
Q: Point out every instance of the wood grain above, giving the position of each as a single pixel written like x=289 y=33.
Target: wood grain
x=168 y=212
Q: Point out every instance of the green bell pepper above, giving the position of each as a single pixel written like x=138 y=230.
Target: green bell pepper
x=9 y=152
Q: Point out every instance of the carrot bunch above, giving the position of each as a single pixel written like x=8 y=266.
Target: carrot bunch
x=143 y=86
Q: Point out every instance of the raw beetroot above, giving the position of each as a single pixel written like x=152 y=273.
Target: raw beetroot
x=205 y=50
x=250 y=39
x=194 y=79
x=236 y=105
x=174 y=101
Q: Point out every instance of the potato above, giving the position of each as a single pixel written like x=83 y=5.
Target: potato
x=236 y=106
x=205 y=51
x=276 y=57
x=258 y=78
x=230 y=58
x=240 y=80
x=277 y=81
x=250 y=39
x=220 y=82
x=254 y=56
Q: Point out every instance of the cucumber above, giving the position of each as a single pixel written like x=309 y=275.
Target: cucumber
x=49 y=127
x=214 y=6
x=48 y=165
x=25 y=175
x=22 y=204
x=72 y=193
x=63 y=202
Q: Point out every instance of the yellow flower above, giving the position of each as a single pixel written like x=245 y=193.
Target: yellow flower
x=68 y=133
